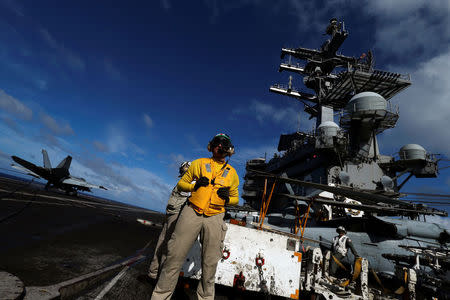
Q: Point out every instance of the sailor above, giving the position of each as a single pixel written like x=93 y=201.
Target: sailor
x=216 y=185
x=339 y=249
x=176 y=202
x=332 y=28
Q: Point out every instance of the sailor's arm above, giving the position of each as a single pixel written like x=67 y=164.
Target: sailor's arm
x=193 y=173
x=234 y=193
x=349 y=244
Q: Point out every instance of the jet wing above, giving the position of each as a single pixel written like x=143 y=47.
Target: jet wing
x=369 y=207
x=25 y=170
x=80 y=182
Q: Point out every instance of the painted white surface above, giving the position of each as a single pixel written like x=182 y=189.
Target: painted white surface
x=281 y=267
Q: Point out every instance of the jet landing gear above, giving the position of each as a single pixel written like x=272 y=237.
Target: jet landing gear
x=72 y=193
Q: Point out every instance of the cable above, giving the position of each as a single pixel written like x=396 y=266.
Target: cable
x=19 y=210
x=20 y=187
x=25 y=206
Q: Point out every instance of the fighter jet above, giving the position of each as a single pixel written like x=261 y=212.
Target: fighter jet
x=58 y=177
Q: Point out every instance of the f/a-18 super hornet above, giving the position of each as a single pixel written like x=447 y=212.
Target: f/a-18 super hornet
x=335 y=175
x=58 y=177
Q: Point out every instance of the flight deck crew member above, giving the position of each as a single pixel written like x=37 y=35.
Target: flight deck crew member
x=216 y=185
x=176 y=201
x=339 y=249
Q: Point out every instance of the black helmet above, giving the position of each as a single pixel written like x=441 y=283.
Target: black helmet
x=341 y=229
x=224 y=140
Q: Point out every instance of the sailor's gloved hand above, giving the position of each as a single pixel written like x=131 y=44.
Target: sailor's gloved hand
x=202 y=181
x=224 y=193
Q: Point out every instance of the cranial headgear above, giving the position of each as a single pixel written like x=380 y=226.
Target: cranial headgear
x=224 y=140
x=341 y=229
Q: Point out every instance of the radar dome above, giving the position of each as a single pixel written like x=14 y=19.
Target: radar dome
x=412 y=151
x=328 y=128
x=367 y=103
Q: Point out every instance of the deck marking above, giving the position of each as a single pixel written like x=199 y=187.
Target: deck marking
x=112 y=283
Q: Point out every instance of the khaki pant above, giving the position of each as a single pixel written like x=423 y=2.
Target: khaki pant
x=333 y=265
x=161 y=246
x=212 y=232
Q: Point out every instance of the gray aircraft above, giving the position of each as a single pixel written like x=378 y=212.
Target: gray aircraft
x=389 y=244
x=58 y=177
x=386 y=242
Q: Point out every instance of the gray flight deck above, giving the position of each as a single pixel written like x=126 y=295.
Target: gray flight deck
x=52 y=241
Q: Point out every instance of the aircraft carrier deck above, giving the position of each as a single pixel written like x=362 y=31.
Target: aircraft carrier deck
x=49 y=237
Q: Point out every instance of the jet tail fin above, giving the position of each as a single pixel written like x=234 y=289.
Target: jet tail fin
x=47 y=163
x=65 y=163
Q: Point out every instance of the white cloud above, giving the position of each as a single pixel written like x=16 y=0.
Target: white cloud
x=12 y=124
x=14 y=106
x=118 y=141
x=13 y=6
x=403 y=29
x=175 y=162
x=136 y=186
x=425 y=107
x=246 y=153
x=55 y=127
x=411 y=28
x=99 y=146
x=5 y=160
x=410 y=31
x=112 y=71
x=131 y=185
x=194 y=144
x=166 y=4
x=41 y=84
x=148 y=121
x=48 y=38
x=218 y=8
x=73 y=60
x=289 y=115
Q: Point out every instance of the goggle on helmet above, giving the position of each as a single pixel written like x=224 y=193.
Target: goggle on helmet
x=224 y=140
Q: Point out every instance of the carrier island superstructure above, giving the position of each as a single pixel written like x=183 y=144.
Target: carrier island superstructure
x=350 y=103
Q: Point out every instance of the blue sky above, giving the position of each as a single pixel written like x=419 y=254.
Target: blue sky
x=131 y=89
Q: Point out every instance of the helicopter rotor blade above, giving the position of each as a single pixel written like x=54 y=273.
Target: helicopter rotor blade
x=356 y=194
